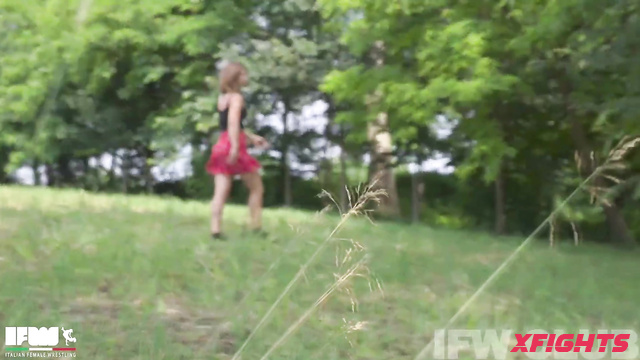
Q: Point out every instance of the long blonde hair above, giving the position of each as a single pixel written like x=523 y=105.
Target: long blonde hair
x=230 y=77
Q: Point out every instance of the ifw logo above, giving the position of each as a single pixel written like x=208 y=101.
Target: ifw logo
x=42 y=342
x=536 y=344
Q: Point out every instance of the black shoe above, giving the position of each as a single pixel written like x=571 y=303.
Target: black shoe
x=218 y=236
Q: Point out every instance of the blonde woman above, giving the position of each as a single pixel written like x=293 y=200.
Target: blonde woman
x=229 y=156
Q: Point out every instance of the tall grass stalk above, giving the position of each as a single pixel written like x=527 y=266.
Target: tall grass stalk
x=613 y=159
x=341 y=280
x=357 y=209
x=254 y=286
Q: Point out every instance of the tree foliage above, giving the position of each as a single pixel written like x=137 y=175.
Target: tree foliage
x=538 y=93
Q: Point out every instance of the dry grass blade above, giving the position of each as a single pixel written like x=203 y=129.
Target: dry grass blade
x=425 y=350
x=342 y=283
x=617 y=166
x=625 y=146
x=358 y=209
x=257 y=284
x=341 y=280
x=612 y=178
x=615 y=161
x=326 y=194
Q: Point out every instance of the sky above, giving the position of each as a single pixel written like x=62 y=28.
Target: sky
x=311 y=118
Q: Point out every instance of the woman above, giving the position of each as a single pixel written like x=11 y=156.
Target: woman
x=229 y=155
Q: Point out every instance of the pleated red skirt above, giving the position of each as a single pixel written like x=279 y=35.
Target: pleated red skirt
x=217 y=163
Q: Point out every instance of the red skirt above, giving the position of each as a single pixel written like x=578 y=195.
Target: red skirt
x=217 y=163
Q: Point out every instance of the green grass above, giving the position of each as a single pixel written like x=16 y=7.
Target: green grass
x=139 y=278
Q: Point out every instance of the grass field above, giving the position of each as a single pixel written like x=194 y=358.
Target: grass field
x=139 y=278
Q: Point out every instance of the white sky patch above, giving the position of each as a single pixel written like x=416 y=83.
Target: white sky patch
x=311 y=118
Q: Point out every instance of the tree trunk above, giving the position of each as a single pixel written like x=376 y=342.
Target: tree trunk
x=51 y=175
x=617 y=224
x=344 y=196
x=577 y=233
x=96 y=174
x=36 y=173
x=553 y=222
x=148 y=176
x=111 y=172
x=417 y=187
x=67 y=178
x=5 y=154
x=382 y=167
x=286 y=171
x=379 y=136
x=500 y=206
x=87 y=176
x=124 y=167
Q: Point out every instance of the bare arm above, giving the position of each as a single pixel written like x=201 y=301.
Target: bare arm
x=257 y=140
x=235 y=112
x=250 y=135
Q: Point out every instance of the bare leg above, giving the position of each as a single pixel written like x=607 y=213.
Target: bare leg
x=222 y=187
x=253 y=181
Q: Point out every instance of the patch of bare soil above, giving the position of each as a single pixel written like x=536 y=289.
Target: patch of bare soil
x=197 y=329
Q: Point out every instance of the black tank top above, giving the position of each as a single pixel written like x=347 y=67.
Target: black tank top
x=224 y=118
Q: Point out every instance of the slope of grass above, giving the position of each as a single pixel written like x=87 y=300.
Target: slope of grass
x=139 y=278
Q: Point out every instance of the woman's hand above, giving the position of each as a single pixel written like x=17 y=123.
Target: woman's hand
x=260 y=142
x=233 y=156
